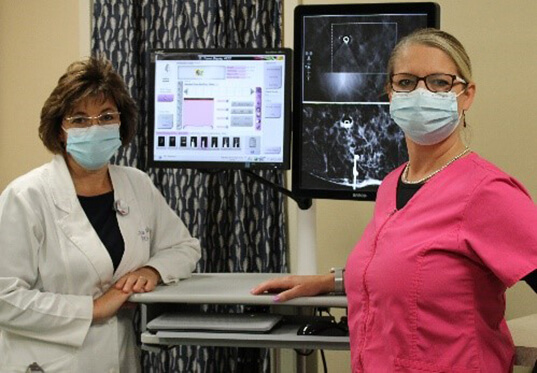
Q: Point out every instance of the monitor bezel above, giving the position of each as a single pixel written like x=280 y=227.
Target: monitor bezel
x=285 y=164
x=433 y=20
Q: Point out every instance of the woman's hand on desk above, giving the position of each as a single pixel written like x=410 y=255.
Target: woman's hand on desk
x=142 y=280
x=290 y=287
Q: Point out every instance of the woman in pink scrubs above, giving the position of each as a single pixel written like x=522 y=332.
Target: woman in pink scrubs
x=450 y=232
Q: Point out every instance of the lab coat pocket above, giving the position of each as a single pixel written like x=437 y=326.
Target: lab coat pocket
x=63 y=364
x=417 y=366
x=51 y=357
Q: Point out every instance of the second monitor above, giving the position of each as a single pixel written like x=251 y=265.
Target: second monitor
x=344 y=141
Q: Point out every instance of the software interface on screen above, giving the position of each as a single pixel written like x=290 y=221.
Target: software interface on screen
x=348 y=140
x=219 y=108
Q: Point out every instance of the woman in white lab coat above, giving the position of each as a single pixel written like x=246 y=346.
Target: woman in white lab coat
x=78 y=236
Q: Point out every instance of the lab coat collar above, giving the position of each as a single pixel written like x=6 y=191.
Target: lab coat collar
x=74 y=222
x=61 y=184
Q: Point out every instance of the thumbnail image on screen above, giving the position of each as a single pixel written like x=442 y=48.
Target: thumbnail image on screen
x=345 y=142
x=221 y=108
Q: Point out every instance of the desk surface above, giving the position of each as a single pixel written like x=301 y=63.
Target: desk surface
x=228 y=288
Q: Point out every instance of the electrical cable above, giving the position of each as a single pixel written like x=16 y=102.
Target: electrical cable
x=323 y=358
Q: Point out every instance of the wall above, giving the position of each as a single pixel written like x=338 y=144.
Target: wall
x=38 y=39
x=500 y=39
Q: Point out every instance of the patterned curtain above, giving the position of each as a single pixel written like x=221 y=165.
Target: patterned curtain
x=240 y=223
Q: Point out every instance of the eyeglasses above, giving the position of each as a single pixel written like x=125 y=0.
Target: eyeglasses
x=433 y=82
x=81 y=121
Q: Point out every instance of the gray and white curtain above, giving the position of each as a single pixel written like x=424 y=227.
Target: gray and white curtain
x=240 y=223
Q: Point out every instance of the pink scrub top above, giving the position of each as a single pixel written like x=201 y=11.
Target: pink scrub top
x=426 y=283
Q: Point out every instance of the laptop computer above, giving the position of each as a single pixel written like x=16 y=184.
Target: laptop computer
x=215 y=322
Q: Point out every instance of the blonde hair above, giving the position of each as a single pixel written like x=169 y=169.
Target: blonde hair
x=436 y=39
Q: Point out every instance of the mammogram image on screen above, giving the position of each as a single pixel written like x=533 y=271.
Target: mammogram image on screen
x=348 y=139
x=345 y=58
x=349 y=147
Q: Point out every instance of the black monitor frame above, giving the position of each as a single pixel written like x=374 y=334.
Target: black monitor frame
x=300 y=179
x=164 y=53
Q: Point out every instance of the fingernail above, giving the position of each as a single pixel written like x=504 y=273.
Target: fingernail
x=276 y=298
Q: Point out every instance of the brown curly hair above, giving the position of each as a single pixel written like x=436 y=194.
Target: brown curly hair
x=89 y=78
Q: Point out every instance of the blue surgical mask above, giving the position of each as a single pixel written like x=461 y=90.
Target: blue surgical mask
x=92 y=147
x=426 y=117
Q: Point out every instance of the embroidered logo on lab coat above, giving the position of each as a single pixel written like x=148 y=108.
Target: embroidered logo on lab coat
x=145 y=234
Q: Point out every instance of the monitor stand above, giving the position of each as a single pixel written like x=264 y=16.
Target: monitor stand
x=307 y=241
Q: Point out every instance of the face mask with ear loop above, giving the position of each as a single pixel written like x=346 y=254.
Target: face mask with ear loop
x=92 y=147
x=426 y=117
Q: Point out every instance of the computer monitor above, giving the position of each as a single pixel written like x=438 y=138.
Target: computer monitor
x=220 y=109
x=344 y=141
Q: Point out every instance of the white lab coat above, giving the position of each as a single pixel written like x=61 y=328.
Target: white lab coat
x=53 y=264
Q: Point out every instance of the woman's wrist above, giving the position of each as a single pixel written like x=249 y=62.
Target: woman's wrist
x=325 y=283
x=107 y=304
